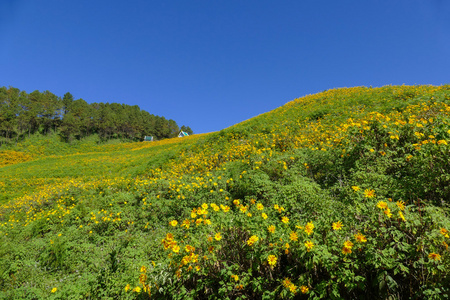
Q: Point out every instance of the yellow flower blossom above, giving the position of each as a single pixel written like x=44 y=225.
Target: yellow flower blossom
x=388 y=213
x=304 y=289
x=337 y=225
x=173 y=223
x=271 y=228
x=293 y=236
x=382 y=205
x=360 y=238
x=285 y=220
x=369 y=193
x=252 y=240
x=309 y=245
x=218 y=236
x=309 y=228
x=444 y=232
x=401 y=205
x=434 y=256
x=264 y=216
x=272 y=259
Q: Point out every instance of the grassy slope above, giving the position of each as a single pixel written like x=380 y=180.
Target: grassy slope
x=91 y=215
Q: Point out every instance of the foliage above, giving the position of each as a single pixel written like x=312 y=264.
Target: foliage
x=339 y=195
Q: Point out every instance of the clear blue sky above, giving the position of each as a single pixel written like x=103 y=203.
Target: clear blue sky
x=211 y=64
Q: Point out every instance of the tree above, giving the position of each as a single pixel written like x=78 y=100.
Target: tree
x=67 y=102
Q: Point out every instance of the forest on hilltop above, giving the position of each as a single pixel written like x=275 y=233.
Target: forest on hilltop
x=23 y=114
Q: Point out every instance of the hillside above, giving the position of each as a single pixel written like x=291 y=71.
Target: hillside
x=340 y=194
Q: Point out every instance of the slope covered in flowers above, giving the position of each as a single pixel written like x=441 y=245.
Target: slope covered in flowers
x=341 y=194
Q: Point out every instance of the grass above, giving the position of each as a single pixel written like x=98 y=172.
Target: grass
x=247 y=212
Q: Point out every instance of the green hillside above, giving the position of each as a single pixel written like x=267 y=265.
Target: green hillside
x=338 y=195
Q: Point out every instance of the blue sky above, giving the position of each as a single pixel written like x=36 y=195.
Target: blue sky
x=211 y=64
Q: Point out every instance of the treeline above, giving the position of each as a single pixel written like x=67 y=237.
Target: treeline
x=23 y=114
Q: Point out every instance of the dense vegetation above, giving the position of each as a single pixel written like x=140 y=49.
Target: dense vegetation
x=338 y=195
x=23 y=114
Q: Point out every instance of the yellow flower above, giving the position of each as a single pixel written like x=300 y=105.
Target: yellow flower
x=215 y=207
x=369 y=193
x=304 y=289
x=444 y=232
x=173 y=223
x=189 y=248
x=252 y=240
x=286 y=282
x=205 y=206
x=218 y=236
x=346 y=250
x=337 y=225
x=271 y=228
x=401 y=205
x=434 y=256
x=355 y=188
x=382 y=205
x=127 y=288
x=243 y=208
x=186 y=224
x=236 y=202
x=309 y=245
x=259 y=206
x=176 y=248
x=143 y=269
x=400 y=214
x=264 y=216
x=54 y=290
x=137 y=289
x=293 y=236
x=360 y=238
x=235 y=277
x=348 y=244
x=272 y=259
x=285 y=220
x=309 y=228
x=142 y=279
x=388 y=212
